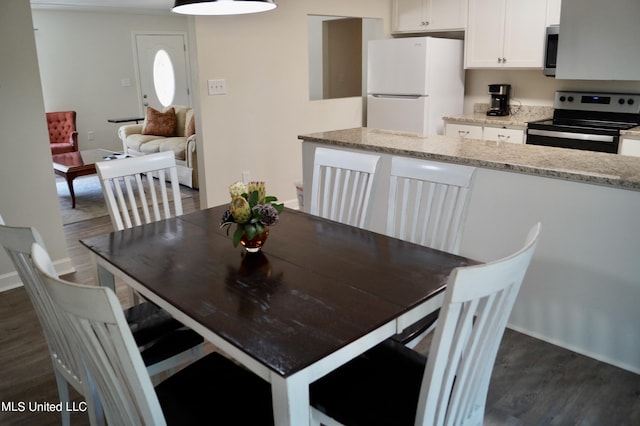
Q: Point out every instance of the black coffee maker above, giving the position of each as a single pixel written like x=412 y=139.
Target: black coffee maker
x=499 y=103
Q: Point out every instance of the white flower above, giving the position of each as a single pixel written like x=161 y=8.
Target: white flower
x=237 y=189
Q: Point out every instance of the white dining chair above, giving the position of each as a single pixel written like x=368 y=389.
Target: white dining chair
x=164 y=343
x=342 y=185
x=135 y=189
x=428 y=203
x=142 y=190
x=17 y=242
x=392 y=384
x=212 y=390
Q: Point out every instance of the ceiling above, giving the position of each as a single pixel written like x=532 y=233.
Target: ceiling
x=142 y=6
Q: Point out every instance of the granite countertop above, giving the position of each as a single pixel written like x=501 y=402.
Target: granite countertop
x=631 y=132
x=520 y=116
x=618 y=171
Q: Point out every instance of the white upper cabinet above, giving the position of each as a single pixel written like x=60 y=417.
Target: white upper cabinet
x=412 y=16
x=505 y=34
x=553 y=12
x=599 y=40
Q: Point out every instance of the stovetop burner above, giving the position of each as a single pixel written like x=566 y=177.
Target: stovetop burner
x=586 y=124
x=591 y=109
x=587 y=120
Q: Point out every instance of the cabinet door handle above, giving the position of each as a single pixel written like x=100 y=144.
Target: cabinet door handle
x=504 y=60
x=463 y=133
x=425 y=23
x=503 y=137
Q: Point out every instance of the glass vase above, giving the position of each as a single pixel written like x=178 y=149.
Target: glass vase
x=255 y=244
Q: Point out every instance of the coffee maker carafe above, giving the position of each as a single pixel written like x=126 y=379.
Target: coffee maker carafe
x=499 y=102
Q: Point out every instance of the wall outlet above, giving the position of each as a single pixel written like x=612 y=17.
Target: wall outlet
x=90 y=136
x=246 y=177
x=217 y=87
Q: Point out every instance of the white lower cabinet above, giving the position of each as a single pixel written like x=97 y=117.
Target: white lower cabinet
x=630 y=146
x=503 y=134
x=463 y=131
x=490 y=133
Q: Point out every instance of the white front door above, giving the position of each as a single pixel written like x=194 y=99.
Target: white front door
x=163 y=72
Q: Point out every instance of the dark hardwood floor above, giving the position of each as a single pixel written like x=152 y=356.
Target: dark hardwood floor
x=533 y=382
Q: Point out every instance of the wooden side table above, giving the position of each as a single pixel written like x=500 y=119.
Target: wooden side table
x=70 y=165
x=125 y=120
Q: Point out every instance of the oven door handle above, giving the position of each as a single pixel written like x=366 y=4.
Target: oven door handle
x=569 y=135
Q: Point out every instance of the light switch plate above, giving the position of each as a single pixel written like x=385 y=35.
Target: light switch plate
x=217 y=87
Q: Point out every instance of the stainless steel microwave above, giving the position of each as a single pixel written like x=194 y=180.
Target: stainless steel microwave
x=551 y=50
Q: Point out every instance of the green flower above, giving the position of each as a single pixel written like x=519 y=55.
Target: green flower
x=240 y=209
x=259 y=187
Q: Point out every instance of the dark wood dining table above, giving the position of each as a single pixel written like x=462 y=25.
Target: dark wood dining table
x=318 y=294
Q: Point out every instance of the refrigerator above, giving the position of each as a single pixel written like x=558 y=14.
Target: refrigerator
x=412 y=83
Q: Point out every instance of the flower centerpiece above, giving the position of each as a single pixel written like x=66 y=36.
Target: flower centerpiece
x=253 y=212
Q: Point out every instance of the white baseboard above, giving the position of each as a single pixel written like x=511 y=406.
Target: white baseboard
x=616 y=363
x=292 y=204
x=64 y=266
x=11 y=280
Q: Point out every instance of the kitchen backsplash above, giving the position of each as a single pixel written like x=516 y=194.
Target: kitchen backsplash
x=533 y=110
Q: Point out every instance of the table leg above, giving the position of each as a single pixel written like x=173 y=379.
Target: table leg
x=105 y=278
x=73 y=194
x=290 y=400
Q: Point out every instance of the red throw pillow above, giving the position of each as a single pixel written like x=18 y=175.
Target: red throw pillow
x=191 y=127
x=160 y=123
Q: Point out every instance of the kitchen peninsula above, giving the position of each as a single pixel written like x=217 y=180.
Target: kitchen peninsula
x=582 y=289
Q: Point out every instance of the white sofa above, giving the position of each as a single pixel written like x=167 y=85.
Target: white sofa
x=134 y=143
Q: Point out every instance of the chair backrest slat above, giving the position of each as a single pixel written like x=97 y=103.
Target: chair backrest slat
x=428 y=202
x=130 y=201
x=342 y=185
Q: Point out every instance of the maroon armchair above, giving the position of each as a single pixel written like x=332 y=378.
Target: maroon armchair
x=62 y=131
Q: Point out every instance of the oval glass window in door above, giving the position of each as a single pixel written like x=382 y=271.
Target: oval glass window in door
x=164 y=80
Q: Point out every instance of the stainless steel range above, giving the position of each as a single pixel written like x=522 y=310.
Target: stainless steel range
x=587 y=120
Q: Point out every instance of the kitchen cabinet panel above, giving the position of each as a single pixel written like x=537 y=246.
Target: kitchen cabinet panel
x=489 y=133
x=414 y=16
x=503 y=134
x=463 y=131
x=599 y=40
x=505 y=34
x=553 y=12
x=630 y=146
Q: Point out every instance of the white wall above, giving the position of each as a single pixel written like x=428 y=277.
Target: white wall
x=27 y=188
x=264 y=58
x=531 y=87
x=84 y=56
x=582 y=288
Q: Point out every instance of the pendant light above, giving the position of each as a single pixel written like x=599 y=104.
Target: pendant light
x=222 y=7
